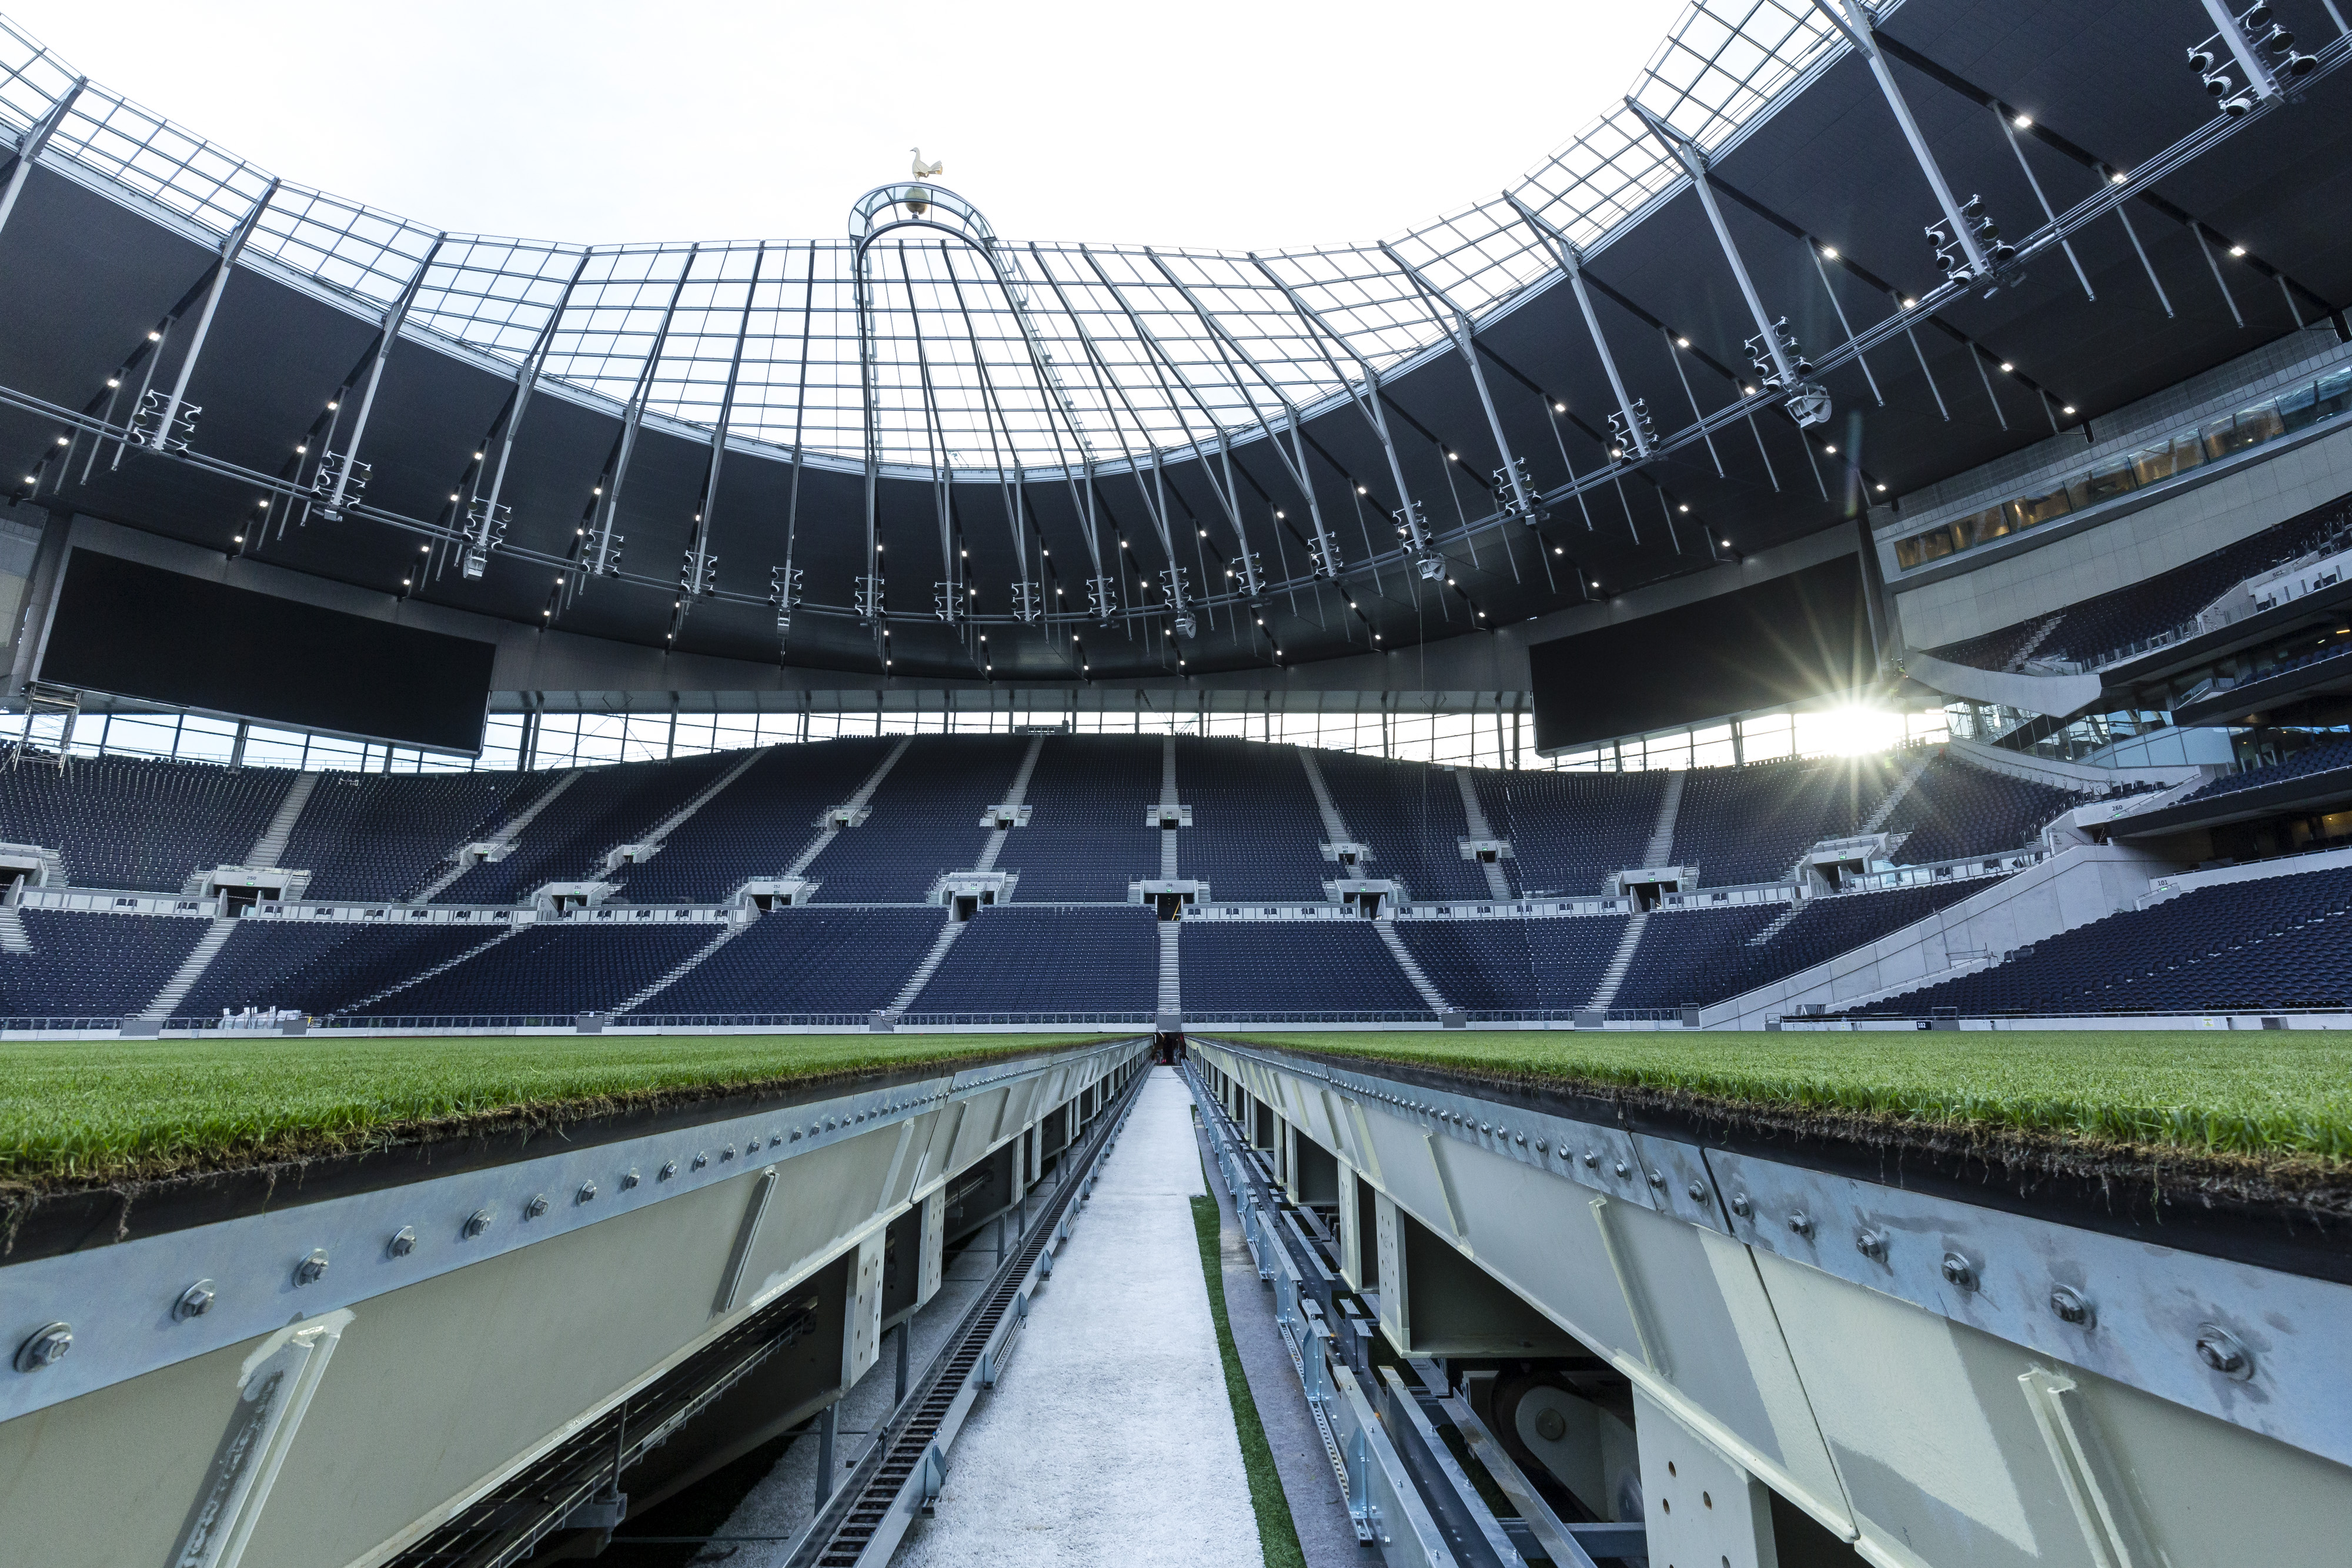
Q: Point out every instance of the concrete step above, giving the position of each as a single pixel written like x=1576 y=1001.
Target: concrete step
x=1619 y=962
x=727 y=934
x=1411 y=968
x=14 y=938
x=183 y=980
x=928 y=966
x=515 y=824
x=268 y=848
x=826 y=834
x=1172 y=980
x=1020 y=786
x=360 y=1006
x=1661 y=851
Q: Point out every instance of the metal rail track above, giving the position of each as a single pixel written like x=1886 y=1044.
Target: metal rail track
x=862 y=1522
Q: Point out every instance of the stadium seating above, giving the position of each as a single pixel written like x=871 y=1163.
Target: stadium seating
x=382 y=835
x=1086 y=837
x=1018 y=958
x=2325 y=757
x=2108 y=622
x=1255 y=834
x=1241 y=968
x=1955 y=810
x=1751 y=824
x=813 y=959
x=1571 y=956
x=1687 y=956
x=127 y=822
x=1570 y=831
x=554 y=970
x=1411 y=814
x=320 y=967
x=926 y=819
x=568 y=842
x=1479 y=966
x=93 y=966
x=756 y=826
x=2275 y=942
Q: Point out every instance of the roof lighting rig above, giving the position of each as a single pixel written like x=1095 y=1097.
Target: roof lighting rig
x=486 y=530
x=2259 y=46
x=1631 y=434
x=784 y=595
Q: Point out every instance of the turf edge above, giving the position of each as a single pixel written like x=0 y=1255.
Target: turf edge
x=1277 y=1536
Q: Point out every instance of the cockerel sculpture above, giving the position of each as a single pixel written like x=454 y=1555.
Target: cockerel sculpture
x=919 y=198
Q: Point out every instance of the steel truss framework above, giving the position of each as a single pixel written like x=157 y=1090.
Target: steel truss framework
x=901 y=351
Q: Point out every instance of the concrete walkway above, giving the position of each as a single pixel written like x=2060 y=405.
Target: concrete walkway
x=1111 y=1438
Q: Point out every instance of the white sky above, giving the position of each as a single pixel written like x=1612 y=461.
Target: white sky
x=1211 y=123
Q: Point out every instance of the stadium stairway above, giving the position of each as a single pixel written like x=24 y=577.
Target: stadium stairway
x=1912 y=768
x=13 y=938
x=1662 y=836
x=1012 y=803
x=928 y=966
x=1171 y=971
x=1333 y=823
x=727 y=933
x=1474 y=816
x=1411 y=968
x=855 y=803
x=272 y=842
x=1168 y=803
x=505 y=835
x=662 y=829
x=1622 y=960
x=357 y=1008
x=200 y=957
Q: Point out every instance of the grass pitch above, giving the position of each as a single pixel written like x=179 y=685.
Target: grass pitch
x=2268 y=1095
x=78 y=1110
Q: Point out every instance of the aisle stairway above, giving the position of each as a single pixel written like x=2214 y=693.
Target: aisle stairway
x=459 y=866
x=1473 y=817
x=1172 y=983
x=1619 y=962
x=272 y=842
x=928 y=966
x=1662 y=835
x=1410 y=965
x=183 y=980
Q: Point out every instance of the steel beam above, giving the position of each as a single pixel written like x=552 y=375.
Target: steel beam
x=1464 y=339
x=230 y=250
x=28 y=146
x=390 y=334
x=600 y=560
x=1571 y=262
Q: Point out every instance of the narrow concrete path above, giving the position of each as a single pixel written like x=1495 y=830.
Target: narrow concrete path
x=1319 y=1511
x=1111 y=1438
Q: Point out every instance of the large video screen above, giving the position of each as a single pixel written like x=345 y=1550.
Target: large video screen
x=1795 y=637
x=136 y=631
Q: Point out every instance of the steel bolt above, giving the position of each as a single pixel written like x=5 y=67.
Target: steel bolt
x=1658 y=1180
x=1624 y=1170
x=2073 y=1307
x=629 y=1181
x=726 y=1154
x=1870 y=1244
x=1591 y=1159
x=403 y=1243
x=1801 y=1223
x=193 y=1303
x=700 y=1160
x=2220 y=1349
x=478 y=1222
x=1959 y=1272
x=45 y=1347
x=536 y=1206
x=1697 y=1191
x=587 y=1193
x=1541 y=1146
x=670 y=1169
x=311 y=1270
x=1740 y=1206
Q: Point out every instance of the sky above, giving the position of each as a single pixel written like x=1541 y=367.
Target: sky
x=1231 y=124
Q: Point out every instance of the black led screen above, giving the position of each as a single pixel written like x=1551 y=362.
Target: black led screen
x=1797 y=637
x=136 y=630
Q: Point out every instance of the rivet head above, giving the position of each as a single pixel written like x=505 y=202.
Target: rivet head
x=2220 y=1349
x=1624 y=1170
x=700 y=1160
x=629 y=1181
x=775 y=1139
x=45 y=1346
x=478 y=1222
x=587 y=1193
x=1870 y=1244
x=1959 y=1272
x=1740 y=1206
x=311 y=1270
x=670 y=1169
x=536 y=1206
x=1801 y=1223
x=2069 y=1305
x=403 y=1243
x=194 y=1302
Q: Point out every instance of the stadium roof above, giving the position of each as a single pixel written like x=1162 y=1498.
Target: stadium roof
x=1073 y=415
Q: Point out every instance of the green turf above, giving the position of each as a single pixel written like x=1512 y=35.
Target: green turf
x=80 y=1109
x=2269 y=1093
x=1277 y=1536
